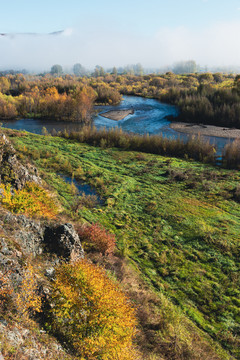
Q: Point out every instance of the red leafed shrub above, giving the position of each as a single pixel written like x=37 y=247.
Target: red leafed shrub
x=100 y=239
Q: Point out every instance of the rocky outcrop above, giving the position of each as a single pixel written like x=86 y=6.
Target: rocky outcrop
x=28 y=233
x=12 y=171
x=24 y=241
x=27 y=345
x=63 y=240
x=33 y=237
x=22 y=238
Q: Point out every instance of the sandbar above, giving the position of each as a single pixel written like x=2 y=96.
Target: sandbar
x=210 y=130
x=117 y=114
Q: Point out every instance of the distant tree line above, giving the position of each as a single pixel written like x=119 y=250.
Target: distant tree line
x=79 y=70
x=181 y=67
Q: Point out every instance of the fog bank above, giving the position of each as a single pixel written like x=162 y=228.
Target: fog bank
x=216 y=45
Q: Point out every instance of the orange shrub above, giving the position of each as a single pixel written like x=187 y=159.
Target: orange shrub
x=91 y=313
x=99 y=237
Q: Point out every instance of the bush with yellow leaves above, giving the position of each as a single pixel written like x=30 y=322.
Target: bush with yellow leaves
x=28 y=301
x=32 y=200
x=91 y=313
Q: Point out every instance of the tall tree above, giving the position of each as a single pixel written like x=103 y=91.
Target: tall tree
x=114 y=71
x=56 y=70
x=138 y=69
x=98 y=71
x=79 y=70
x=4 y=84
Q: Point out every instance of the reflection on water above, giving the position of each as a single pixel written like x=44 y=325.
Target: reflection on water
x=150 y=116
x=82 y=187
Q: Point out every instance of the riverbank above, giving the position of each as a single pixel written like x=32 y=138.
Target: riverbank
x=117 y=114
x=208 y=130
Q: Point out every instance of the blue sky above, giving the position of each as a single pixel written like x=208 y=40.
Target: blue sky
x=143 y=16
x=153 y=32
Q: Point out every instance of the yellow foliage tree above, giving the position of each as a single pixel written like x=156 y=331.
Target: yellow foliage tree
x=4 y=84
x=7 y=107
x=82 y=103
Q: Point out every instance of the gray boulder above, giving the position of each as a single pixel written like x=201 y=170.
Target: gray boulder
x=28 y=233
x=63 y=240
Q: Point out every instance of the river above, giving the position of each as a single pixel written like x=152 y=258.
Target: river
x=150 y=116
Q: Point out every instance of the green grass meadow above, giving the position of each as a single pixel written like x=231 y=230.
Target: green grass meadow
x=178 y=221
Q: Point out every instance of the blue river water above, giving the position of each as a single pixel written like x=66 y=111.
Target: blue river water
x=150 y=116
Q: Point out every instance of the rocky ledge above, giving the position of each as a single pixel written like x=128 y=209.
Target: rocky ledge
x=11 y=170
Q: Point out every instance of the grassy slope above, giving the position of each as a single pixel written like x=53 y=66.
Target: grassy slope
x=175 y=219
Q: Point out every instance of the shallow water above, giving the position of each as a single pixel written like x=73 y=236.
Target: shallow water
x=82 y=187
x=150 y=116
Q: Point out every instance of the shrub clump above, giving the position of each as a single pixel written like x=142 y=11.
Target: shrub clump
x=231 y=155
x=32 y=200
x=28 y=301
x=91 y=313
x=98 y=238
x=195 y=147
